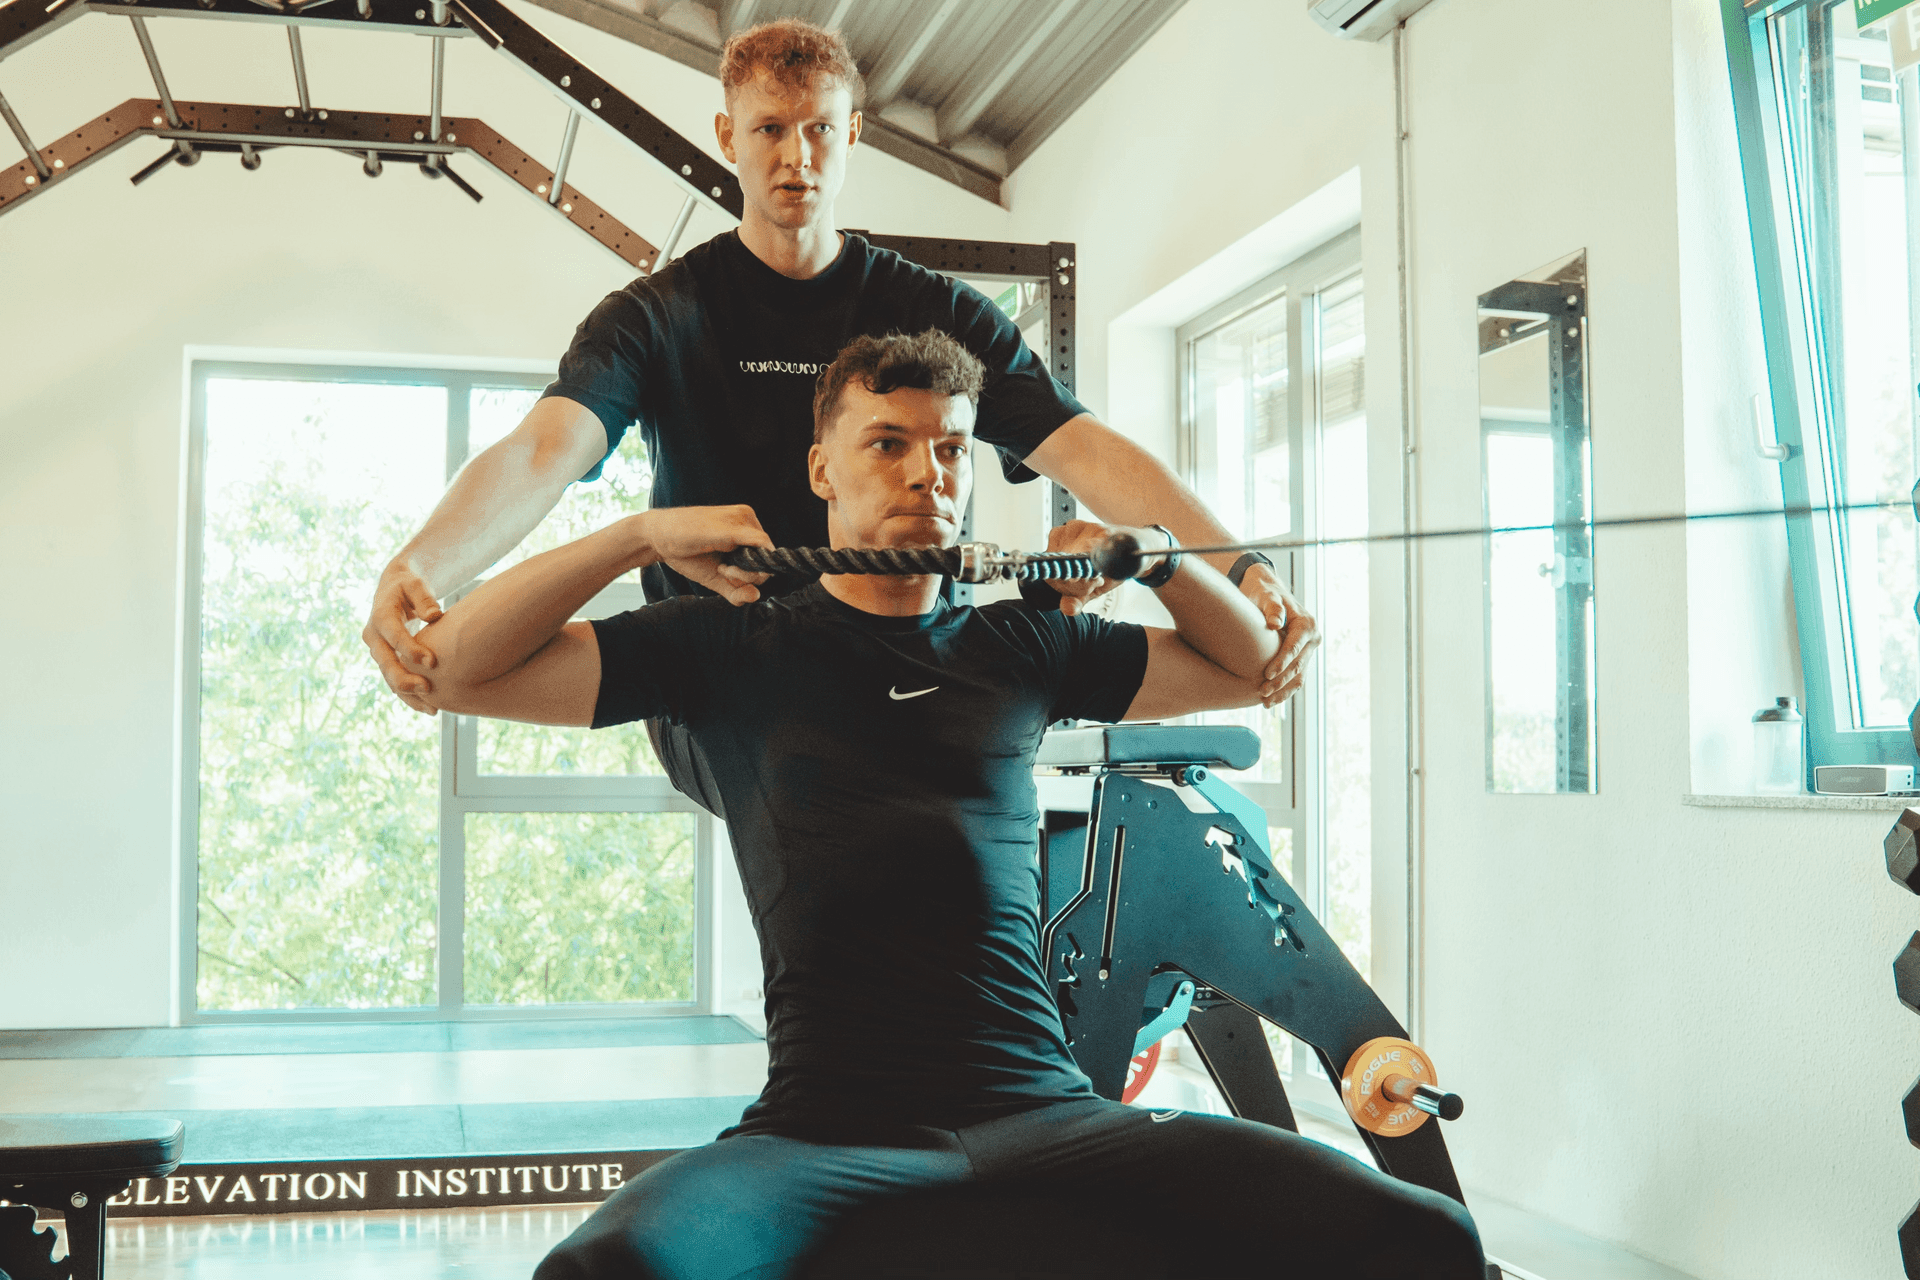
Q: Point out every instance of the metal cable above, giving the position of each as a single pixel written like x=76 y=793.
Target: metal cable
x=1479 y=531
x=984 y=562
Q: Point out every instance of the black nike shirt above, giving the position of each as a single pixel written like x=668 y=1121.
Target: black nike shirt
x=715 y=358
x=878 y=780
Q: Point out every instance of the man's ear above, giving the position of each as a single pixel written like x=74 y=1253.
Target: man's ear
x=817 y=473
x=723 y=130
x=853 y=129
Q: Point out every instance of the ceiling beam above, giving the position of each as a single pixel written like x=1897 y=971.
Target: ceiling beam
x=1128 y=39
x=962 y=116
x=885 y=84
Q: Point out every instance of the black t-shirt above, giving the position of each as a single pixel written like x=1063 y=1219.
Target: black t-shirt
x=878 y=780
x=716 y=356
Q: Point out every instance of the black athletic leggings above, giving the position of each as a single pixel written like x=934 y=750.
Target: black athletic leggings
x=1245 y=1199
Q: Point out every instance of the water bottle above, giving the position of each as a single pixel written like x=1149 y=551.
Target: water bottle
x=1777 y=765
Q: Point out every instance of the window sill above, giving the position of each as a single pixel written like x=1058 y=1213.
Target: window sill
x=1858 y=804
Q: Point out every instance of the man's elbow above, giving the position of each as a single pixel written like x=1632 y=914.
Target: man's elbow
x=455 y=697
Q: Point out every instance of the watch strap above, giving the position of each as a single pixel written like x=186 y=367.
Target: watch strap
x=1163 y=573
x=1238 y=573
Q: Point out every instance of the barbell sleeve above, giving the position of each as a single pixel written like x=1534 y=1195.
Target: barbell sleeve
x=1425 y=1097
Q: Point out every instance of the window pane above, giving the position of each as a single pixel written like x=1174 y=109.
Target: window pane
x=493 y=412
x=1850 y=155
x=1242 y=466
x=569 y=908
x=318 y=789
x=622 y=489
x=1241 y=431
x=537 y=750
x=1343 y=612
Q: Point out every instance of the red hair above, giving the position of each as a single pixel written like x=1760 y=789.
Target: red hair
x=795 y=53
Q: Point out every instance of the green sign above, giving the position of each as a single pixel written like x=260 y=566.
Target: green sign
x=1870 y=11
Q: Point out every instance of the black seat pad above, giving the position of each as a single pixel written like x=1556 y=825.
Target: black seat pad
x=1002 y=1233
x=1224 y=746
x=47 y=1148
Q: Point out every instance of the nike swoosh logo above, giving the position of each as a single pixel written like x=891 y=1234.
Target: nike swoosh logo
x=1161 y=1117
x=898 y=696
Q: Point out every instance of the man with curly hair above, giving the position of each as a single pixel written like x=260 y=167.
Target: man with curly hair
x=873 y=748
x=714 y=356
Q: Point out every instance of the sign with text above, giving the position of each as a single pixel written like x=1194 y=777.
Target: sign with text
x=1871 y=11
x=331 y=1186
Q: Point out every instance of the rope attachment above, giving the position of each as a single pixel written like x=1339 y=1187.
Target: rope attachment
x=967 y=562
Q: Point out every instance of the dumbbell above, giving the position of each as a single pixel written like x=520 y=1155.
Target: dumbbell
x=1906 y=974
x=1903 y=854
x=1390 y=1088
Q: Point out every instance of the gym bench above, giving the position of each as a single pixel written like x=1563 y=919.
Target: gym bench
x=72 y=1165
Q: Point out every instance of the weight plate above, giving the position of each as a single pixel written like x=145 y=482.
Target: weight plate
x=1369 y=1067
x=1139 y=1071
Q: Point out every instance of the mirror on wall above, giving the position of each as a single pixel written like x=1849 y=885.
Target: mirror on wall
x=1537 y=493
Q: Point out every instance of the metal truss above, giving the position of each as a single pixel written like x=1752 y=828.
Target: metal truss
x=1046 y=273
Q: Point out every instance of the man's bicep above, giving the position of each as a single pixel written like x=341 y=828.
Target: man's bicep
x=559 y=684
x=564 y=436
x=1180 y=681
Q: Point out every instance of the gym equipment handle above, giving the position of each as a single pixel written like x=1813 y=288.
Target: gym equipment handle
x=1433 y=1101
x=967 y=562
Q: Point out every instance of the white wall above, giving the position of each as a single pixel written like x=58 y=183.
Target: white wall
x=1594 y=969
x=1588 y=957
x=1590 y=964
x=106 y=285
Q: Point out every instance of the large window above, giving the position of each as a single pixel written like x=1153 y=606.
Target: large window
x=348 y=854
x=1828 y=133
x=1274 y=438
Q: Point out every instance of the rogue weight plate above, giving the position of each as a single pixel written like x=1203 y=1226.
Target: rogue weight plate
x=1371 y=1065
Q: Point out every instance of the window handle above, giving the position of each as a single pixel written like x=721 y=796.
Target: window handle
x=1765 y=437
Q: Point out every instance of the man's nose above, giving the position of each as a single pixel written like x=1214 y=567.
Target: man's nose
x=924 y=472
x=798 y=152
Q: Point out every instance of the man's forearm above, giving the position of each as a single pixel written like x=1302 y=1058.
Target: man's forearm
x=1216 y=620
x=1123 y=484
x=500 y=496
x=511 y=616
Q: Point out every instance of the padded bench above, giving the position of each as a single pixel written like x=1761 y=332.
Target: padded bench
x=72 y=1164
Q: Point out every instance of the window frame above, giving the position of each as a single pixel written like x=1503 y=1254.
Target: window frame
x=461 y=790
x=1801 y=372
x=1299 y=802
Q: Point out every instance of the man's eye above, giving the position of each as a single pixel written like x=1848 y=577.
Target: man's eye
x=885 y=444
x=823 y=128
x=956 y=451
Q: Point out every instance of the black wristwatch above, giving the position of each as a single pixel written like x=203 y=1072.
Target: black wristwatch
x=1238 y=573
x=1169 y=565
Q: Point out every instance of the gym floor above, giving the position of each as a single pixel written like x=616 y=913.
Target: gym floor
x=474 y=1244
x=295 y=1092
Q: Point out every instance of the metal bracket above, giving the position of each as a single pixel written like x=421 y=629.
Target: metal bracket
x=229 y=126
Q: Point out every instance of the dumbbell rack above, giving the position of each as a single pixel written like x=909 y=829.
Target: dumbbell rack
x=1903 y=864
